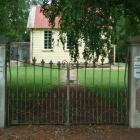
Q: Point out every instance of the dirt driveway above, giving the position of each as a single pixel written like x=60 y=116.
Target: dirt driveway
x=82 y=132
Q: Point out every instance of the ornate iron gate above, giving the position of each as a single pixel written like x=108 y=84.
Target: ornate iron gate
x=66 y=93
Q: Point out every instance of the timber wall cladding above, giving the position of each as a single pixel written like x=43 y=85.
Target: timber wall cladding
x=58 y=53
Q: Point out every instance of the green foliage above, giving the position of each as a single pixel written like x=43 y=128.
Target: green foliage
x=35 y=2
x=91 y=20
x=14 y=15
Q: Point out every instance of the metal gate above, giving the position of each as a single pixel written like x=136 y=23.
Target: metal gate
x=66 y=92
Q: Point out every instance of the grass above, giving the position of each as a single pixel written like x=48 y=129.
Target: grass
x=109 y=85
x=50 y=78
x=102 y=79
x=105 y=78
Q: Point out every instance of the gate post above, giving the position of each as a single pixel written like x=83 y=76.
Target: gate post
x=134 y=82
x=2 y=86
x=68 y=96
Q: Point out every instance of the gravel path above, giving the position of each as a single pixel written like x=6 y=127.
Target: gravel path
x=81 y=132
x=73 y=76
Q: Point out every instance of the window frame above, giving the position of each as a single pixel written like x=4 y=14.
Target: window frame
x=67 y=48
x=48 y=40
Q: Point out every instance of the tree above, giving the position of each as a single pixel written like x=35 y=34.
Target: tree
x=14 y=15
x=35 y=2
x=99 y=23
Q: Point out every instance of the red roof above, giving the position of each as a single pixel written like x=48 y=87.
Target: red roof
x=38 y=20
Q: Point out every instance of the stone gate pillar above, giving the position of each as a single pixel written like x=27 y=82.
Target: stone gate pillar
x=134 y=82
x=2 y=85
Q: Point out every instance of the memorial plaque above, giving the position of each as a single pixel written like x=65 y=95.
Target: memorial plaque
x=137 y=67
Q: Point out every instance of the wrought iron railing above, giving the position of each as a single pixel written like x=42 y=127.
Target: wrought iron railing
x=66 y=93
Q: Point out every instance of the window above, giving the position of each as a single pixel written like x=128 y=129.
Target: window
x=48 y=40
x=67 y=46
x=68 y=43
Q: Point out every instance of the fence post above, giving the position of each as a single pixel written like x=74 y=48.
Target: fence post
x=134 y=82
x=2 y=86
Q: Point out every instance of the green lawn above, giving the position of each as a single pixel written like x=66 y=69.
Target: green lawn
x=102 y=79
x=38 y=79
x=105 y=78
x=109 y=85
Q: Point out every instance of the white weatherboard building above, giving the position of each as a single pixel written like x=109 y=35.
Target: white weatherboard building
x=45 y=42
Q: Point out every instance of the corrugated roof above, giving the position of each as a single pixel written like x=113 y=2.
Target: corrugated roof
x=38 y=20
